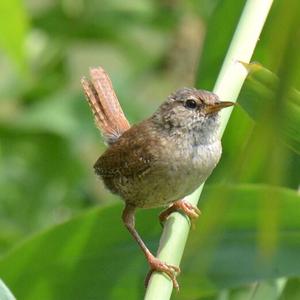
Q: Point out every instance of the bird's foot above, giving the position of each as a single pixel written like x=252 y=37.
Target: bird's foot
x=190 y=210
x=157 y=265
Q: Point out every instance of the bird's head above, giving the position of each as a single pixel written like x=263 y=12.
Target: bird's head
x=190 y=108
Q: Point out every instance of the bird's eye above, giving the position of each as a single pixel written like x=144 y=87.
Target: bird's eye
x=191 y=103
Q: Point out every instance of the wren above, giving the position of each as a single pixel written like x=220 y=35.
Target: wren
x=160 y=160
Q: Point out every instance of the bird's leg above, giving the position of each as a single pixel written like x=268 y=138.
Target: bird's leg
x=181 y=205
x=154 y=263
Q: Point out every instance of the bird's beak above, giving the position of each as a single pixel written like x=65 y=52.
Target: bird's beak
x=213 y=108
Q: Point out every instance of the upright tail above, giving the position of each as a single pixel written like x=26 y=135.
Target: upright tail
x=108 y=114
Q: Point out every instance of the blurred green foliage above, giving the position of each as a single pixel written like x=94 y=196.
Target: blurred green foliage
x=60 y=263
x=48 y=143
x=48 y=139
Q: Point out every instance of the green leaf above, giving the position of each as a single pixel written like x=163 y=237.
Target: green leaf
x=270 y=289
x=5 y=293
x=93 y=255
x=228 y=250
x=291 y=290
x=215 y=45
x=267 y=289
x=258 y=97
x=13 y=28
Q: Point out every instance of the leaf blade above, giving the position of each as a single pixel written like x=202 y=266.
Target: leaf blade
x=93 y=254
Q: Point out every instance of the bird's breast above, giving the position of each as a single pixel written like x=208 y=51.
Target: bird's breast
x=181 y=170
x=194 y=163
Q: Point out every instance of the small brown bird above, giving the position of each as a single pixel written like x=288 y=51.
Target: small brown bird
x=160 y=160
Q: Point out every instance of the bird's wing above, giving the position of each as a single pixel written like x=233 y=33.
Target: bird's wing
x=131 y=155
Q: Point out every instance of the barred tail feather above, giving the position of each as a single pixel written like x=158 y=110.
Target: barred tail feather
x=108 y=114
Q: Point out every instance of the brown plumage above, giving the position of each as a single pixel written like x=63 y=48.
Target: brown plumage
x=103 y=101
x=160 y=160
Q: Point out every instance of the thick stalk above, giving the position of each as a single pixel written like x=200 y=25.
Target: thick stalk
x=227 y=87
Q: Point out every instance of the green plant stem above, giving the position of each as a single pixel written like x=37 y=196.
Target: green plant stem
x=227 y=87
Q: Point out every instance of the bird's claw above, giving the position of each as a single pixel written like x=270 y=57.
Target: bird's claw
x=189 y=209
x=157 y=265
